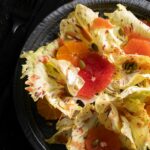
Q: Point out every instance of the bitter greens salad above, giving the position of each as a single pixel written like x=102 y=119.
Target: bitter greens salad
x=95 y=77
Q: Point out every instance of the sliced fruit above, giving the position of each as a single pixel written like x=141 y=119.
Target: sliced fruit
x=47 y=111
x=137 y=36
x=97 y=74
x=99 y=138
x=137 y=46
x=101 y=23
x=148 y=109
x=72 y=51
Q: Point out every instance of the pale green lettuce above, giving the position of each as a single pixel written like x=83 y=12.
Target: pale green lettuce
x=85 y=16
x=64 y=128
x=85 y=120
x=128 y=118
x=107 y=40
x=51 y=79
x=124 y=18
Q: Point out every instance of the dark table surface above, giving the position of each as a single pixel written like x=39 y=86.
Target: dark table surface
x=11 y=134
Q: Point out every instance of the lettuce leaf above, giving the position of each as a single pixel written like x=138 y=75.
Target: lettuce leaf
x=128 y=118
x=108 y=114
x=69 y=29
x=135 y=92
x=64 y=128
x=107 y=40
x=85 y=120
x=140 y=131
x=56 y=80
x=126 y=19
x=82 y=14
x=122 y=80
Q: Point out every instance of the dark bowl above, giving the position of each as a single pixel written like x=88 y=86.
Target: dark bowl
x=34 y=127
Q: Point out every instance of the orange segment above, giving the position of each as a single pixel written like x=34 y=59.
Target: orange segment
x=101 y=23
x=148 y=109
x=72 y=51
x=137 y=46
x=137 y=36
x=76 y=47
x=99 y=138
x=47 y=111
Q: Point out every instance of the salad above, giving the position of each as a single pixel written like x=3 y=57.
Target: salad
x=95 y=77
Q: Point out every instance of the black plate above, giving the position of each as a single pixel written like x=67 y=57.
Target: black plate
x=34 y=127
